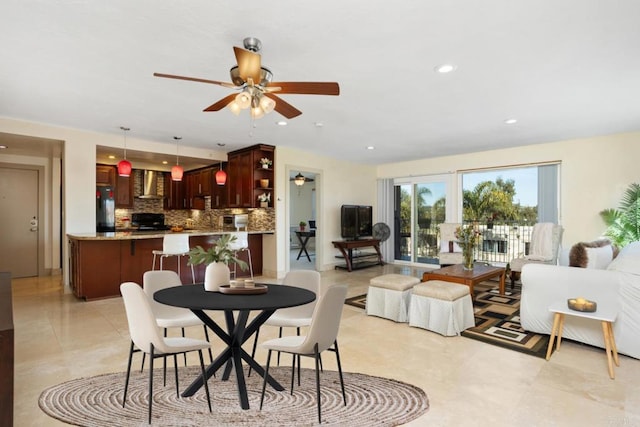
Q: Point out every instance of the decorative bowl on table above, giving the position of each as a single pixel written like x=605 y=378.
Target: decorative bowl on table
x=581 y=304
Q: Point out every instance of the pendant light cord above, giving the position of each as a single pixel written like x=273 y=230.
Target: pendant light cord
x=177 y=138
x=124 y=131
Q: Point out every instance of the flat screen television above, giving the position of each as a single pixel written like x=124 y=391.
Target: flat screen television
x=356 y=221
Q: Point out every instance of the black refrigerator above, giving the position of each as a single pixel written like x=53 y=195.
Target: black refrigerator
x=105 y=209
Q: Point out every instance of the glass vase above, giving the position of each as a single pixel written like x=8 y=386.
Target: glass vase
x=467 y=257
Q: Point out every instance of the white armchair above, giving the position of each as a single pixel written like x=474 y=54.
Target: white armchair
x=450 y=252
x=543 y=249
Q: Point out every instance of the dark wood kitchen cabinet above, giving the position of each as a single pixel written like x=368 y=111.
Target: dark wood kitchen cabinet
x=174 y=193
x=98 y=266
x=7 y=351
x=105 y=175
x=124 y=191
x=245 y=173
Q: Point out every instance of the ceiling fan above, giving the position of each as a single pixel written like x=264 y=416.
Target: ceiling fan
x=300 y=179
x=257 y=90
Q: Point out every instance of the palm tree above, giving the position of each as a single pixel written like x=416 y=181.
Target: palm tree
x=623 y=224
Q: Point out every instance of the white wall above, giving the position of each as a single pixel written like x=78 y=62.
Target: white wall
x=595 y=172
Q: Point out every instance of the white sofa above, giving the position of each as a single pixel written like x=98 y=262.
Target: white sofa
x=617 y=284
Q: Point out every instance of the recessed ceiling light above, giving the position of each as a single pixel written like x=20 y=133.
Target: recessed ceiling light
x=371 y=147
x=3 y=147
x=164 y=162
x=510 y=121
x=445 y=68
x=318 y=124
x=111 y=156
x=281 y=123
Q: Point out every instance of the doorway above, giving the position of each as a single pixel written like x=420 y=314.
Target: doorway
x=20 y=221
x=303 y=220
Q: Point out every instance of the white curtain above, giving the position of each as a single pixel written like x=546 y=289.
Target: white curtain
x=385 y=215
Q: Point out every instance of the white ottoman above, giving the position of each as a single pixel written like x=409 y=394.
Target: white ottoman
x=389 y=295
x=442 y=307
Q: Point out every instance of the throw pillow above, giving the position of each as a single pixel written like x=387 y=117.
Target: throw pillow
x=596 y=254
x=627 y=261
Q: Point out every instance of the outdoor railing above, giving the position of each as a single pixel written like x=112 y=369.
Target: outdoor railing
x=499 y=243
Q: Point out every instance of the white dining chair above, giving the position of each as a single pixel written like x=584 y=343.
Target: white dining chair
x=146 y=337
x=168 y=316
x=322 y=334
x=240 y=244
x=293 y=317
x=177 y=245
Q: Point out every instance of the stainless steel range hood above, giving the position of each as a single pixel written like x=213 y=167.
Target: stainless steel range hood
x=149 y=185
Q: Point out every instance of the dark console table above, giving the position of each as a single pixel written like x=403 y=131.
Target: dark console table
x=303 y=238
x=346 y=247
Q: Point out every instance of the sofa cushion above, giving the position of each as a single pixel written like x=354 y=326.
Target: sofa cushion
x=597 y=254
x=628 y=261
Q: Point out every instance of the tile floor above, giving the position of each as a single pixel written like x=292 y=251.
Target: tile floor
x=469 y=383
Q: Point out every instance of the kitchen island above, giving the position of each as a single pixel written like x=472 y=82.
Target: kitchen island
x=100 y=262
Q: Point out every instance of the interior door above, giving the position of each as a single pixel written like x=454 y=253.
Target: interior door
x=19 y=221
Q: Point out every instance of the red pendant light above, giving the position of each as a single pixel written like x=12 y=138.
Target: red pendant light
x=177 y=171
x=221 y=176
x=124 y=166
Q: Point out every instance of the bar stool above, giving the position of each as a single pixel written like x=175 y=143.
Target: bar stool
x=240 y=244
x=174 y=245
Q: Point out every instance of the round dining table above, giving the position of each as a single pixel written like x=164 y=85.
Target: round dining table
x=237 y=332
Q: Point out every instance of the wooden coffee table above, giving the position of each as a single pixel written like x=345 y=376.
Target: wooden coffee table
x=457 y=274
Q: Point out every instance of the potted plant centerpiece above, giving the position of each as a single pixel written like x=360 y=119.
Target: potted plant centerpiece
x=264 y=200
x=217 y=259
x=302 y=225
x=266 y=163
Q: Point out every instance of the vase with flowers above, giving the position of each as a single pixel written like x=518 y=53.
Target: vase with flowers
x=266 y=163
x=468 y=237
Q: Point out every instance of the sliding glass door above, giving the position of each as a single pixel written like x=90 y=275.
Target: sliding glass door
x=420 y=206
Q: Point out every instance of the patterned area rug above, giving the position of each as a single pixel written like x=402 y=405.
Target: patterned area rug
x=371 y=401
x=497 y=320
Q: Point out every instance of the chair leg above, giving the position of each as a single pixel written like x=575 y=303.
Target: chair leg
x=206 y=382
x=164 y=365
x=317 y=357
x=153 y=267
x=253 y=351
x=344 y=395
x=150 y=381
x=175 y=371
x=193 y=275
x=206 y=335
x=250 y=263
x=299 y=360
x=264 y=381
x=279 y=336
x=184 y=354
x=144 y=356
x=126 y=382
x=293 y=371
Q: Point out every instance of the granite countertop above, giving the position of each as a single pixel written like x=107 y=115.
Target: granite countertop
x=135 y=234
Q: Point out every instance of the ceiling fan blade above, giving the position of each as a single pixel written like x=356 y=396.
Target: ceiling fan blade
x=195 y=79
x=249 y=64
x=222 y=103
x=283 y=107
x=308 y=88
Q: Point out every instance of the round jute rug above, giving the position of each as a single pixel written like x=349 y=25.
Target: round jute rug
x=371 y=401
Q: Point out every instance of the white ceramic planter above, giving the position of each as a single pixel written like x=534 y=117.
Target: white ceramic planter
x=216 y=274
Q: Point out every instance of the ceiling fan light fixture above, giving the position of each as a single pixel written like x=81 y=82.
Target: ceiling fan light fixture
x=235 y=108
x=257 y=112
x=267 y=104
x=299 y=179
x=243 y=99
